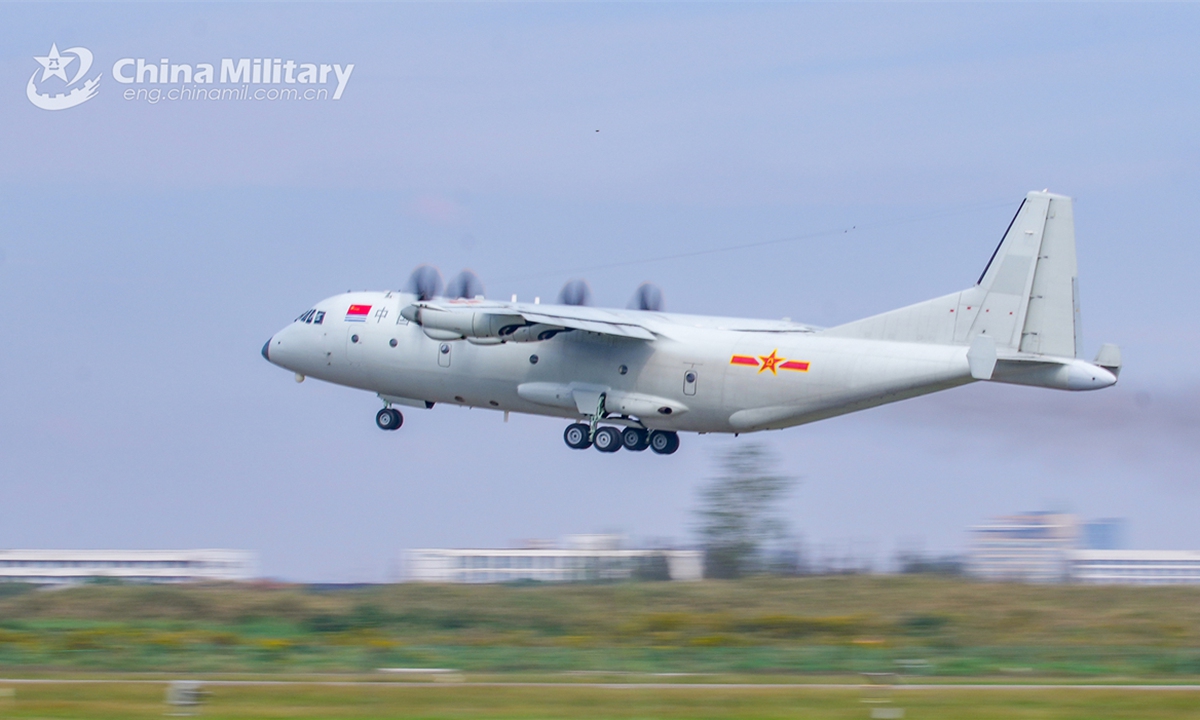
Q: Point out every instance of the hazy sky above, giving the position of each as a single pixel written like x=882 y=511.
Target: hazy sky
x=147 y=250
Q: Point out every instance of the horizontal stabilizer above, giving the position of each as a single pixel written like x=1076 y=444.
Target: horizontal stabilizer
x=1051 y=372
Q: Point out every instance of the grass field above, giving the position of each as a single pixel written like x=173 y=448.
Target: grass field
x=128 y=700
x=846 y=624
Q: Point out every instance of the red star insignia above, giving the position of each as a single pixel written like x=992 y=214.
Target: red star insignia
x=770 y=362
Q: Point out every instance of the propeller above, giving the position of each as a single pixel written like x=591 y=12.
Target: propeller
x=465 y=285
x=575 y=292
x=648 y=296
x=425 y=282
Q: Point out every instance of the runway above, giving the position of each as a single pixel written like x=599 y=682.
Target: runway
x=1132 y=687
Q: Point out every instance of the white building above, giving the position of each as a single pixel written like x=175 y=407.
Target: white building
x=1030 y=547
x=1135 y=567
x=584 y=558
x=67 y=567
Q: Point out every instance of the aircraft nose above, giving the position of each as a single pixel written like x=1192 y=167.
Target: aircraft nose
x=266 y=351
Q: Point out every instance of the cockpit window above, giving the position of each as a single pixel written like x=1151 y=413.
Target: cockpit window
x=312 y=317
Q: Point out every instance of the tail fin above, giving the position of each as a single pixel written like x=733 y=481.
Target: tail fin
x=1027 y=298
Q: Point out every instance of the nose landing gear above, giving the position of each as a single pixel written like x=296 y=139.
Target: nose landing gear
x=389 y=419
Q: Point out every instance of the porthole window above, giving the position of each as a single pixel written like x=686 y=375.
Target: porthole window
x=353 y=338
x=623 y=369
x=690 y=377
x=392 y=342
x=533 y=359
x=445 y=349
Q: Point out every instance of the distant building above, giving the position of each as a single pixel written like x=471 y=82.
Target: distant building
x=1135 y=567
x=67 y=567
x=1056 y=547
x=1104 y=534
x=581 y=558
x=1029 y=547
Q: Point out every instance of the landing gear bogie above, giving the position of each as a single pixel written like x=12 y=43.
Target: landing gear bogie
x=389 y=419
x=579 y=436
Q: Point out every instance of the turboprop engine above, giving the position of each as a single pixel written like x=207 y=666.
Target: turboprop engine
x=458 y=320
x=479 y=327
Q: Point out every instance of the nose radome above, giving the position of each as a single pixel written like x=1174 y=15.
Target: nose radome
x=266 y=351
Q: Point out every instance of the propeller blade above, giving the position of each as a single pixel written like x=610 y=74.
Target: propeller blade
x=465 y=285
x=575 y=292
x=425 y=282
x=648 y=296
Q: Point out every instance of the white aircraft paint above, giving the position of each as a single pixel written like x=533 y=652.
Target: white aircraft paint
x=653 y=371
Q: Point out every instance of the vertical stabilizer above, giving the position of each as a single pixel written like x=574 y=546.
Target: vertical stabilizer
x=1052 y=325
x=1027 y=298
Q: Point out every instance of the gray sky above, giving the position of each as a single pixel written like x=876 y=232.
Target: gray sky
x=148 y=250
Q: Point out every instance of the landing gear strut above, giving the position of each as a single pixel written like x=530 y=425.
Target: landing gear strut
x=389 y=419
x=583 y=435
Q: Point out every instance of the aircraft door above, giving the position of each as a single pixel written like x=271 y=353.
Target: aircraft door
x=689 y=381
x=444 y=354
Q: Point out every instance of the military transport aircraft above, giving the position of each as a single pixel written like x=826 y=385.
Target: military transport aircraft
x=635 y=378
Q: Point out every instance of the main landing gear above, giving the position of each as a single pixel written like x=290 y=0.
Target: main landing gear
x=389 y=419
x=610 y=439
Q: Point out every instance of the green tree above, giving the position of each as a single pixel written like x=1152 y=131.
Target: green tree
x=738 y=513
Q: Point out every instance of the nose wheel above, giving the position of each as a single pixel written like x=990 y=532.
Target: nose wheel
x=389 y=419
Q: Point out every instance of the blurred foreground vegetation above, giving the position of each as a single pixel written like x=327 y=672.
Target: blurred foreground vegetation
x=915 y=624
x=395 y=700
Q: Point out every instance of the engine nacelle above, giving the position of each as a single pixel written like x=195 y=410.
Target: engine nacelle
x=482 y=327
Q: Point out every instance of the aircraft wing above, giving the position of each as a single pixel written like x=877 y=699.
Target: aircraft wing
x=489 y=318
x=590 y=320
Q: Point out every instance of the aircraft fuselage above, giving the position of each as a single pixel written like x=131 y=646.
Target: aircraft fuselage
x=697 y=375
